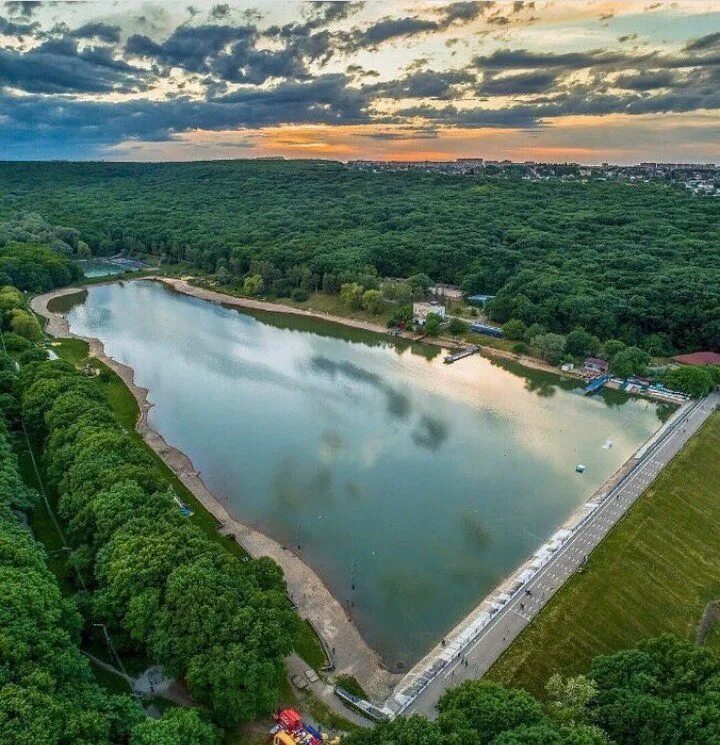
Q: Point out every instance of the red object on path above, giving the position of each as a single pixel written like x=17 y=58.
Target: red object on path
x=290 y=720
x=698 y=358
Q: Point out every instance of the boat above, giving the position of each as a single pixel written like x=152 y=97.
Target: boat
x=580 y=467
x=608 y=444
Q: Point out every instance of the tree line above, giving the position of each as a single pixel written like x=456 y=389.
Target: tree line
x=151 y=576
x=48 y=693
x=620 y=260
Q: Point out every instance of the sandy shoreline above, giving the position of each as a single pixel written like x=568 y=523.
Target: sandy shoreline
x=352 y=655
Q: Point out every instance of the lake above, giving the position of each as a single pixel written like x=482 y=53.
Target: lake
x=412 y=487
x=93 y=268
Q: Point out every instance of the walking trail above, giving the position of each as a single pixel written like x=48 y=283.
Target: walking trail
x=350 y=653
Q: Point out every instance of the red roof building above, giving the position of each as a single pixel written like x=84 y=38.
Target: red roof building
x=698 y=358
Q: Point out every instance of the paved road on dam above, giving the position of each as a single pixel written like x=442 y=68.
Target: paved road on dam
x=497 y=636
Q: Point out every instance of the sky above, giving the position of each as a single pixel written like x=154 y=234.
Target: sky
x=552 y=80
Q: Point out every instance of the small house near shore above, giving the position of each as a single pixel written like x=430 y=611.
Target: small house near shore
x=421 y=310
x=596 y=365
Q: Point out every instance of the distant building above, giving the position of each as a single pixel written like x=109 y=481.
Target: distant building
x=451 y=292
x=595 y=364
x=698 y=358
x=422 y=310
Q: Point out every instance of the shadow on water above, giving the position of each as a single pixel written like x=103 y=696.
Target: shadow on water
x=332 y=330
x=65 y=303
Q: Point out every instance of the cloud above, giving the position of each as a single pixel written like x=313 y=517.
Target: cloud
x=102 y=31
x=190 y=47
x=711 y=41
x=326 y=99
x=387 y=29
x=645 y=81
x=23 y=7
x=463 y=12
x=424 y=84
x=11 y=28
x=516 y=59
x=519 y=84
x=58 y=66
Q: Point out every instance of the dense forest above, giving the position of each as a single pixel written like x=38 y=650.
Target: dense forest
x=619 y=260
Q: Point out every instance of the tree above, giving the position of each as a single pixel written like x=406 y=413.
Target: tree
x=414 y=730
x=10 y=297
x=551 y=347
x=665 y=691
x=177 y=727
x=629 y=361
x=253 y=285
x=372 y=301
x=223 y=275
x=696 y=381
x=533 y=331
x=580 y=343
x=611 y=347
x=514 y=329
x=478 y=709
x=351 y=295
x=458 y=326
x=330 y=284
x=570 y=698
x=420 y=284
x=432 y=324
x=26 y=325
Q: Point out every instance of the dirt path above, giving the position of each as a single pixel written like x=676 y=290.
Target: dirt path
x=353 y=656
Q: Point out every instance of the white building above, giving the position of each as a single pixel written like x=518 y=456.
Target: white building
x=423 y=309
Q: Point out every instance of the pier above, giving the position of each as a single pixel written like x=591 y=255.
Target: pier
x=596 y=384
x=450 y=358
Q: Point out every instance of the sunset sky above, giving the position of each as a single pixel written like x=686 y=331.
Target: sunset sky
x=560 y=80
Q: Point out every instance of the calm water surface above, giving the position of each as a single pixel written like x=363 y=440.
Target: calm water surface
x=420 y=484
x=98 y=268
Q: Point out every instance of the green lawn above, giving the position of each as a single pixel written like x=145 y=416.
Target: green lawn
x=654 y=573
x=126 y=411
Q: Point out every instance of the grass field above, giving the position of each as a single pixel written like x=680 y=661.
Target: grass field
x=654 y=573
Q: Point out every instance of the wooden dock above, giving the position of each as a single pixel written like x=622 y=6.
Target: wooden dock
x=450 y=358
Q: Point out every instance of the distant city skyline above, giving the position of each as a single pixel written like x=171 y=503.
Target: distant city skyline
x=550 y=80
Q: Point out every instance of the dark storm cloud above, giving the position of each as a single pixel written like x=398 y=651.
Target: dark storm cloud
x=58 y=66
x=102 y=31
x=519 y=84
